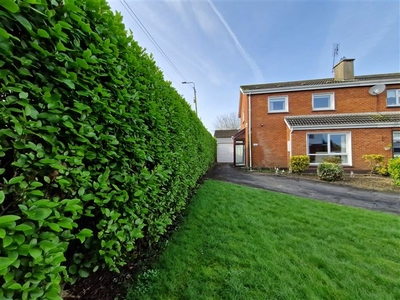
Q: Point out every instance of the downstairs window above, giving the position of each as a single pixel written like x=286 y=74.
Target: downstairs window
x=396 y=144
x=324 y=145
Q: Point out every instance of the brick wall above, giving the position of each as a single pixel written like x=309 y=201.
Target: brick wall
x=271 y=133
x=363 y=141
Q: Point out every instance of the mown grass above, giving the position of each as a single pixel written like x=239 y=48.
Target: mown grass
x=244 y=243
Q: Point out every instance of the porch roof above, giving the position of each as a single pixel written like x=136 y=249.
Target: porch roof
x=337 y=121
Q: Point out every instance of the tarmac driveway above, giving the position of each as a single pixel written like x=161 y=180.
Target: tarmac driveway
x=345 y=195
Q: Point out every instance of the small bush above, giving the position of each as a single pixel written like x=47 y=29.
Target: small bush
x=394 y=169
x=330 y=171
x=299 y=163
x=333 y=159
x=375 y=162
x=383 y=170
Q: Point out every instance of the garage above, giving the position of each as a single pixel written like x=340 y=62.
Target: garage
x=225 y=145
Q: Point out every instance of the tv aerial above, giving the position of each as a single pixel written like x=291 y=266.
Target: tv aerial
x=335 y=52
x=377 y=89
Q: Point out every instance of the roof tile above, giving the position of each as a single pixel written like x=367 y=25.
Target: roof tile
x=323 y=81
x=343 y=119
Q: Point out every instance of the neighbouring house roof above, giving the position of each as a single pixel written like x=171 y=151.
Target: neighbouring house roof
x=225 y=133
x=343 y=121
x=364 y=80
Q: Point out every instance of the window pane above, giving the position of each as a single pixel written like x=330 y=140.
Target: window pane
x=338 y=143
x=277 y=105
x=317 y=143
x=322 y=101
x=320 y=158
x=391 y=98
x=396 y=143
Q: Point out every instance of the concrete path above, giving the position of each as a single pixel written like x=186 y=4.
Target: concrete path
x=345 y=195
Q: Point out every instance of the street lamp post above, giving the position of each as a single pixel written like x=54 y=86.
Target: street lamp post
x=194 y=90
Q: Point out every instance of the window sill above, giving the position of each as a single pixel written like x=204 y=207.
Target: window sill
x=323 y=109
x=277 y=112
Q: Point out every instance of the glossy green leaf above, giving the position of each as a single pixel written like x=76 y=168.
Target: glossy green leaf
x=38 y=213
x=7 y=241
x=31 y=111
x=2 y=197
x=55 y=227
x=4 y=34
x=16 y=179
x=65 y=223
x=10 y=5
x=24 y=227
x=46 y=246
x=43 y=33
x=23 y=95
x=82 y=63
x=69 y=83
x=24 y=72
x=60 y=47
x=18 y=128
x=7 y=219
x=23 y=21
x=35 y=252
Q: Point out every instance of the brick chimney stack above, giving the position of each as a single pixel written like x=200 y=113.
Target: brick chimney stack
x=344 y=69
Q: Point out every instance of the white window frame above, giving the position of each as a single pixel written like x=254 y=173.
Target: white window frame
x=331 y=98
x=397 y=98
x=278 y=98
x=348 y=147
x=395 y=142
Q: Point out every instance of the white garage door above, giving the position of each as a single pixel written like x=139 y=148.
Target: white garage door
x=225 y=153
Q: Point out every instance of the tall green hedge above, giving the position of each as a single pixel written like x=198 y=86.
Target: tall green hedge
x=97 y=150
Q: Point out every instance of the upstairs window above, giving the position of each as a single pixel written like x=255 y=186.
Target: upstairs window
x=323 y=101
x=278 y=104
x=393 y=98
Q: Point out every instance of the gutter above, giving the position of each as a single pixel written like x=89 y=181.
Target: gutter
x=249 y=137
x=291 y=131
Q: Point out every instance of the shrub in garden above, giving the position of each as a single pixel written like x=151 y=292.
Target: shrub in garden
x=330 y=171
x=394 y=169
x=97 y=150
x=299 y=163
x=376 y=162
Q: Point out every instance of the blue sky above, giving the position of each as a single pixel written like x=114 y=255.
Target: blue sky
x=221 y=45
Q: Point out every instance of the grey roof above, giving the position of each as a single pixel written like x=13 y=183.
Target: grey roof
x=320 y=82
x=344 y=119
x=225 y=133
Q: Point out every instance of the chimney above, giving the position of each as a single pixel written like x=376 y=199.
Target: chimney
x=344 y=69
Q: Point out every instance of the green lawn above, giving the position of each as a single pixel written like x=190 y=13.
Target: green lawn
x=244 y=243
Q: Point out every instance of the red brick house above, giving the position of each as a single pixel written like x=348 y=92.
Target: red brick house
x=346 y=116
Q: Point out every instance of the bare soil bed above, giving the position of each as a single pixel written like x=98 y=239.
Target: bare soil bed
x=362 y=181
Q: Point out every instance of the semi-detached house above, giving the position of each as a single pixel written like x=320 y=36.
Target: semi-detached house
x=346 y=116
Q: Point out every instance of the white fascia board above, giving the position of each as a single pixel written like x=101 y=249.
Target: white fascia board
x=321 y=86
x=346 y=126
